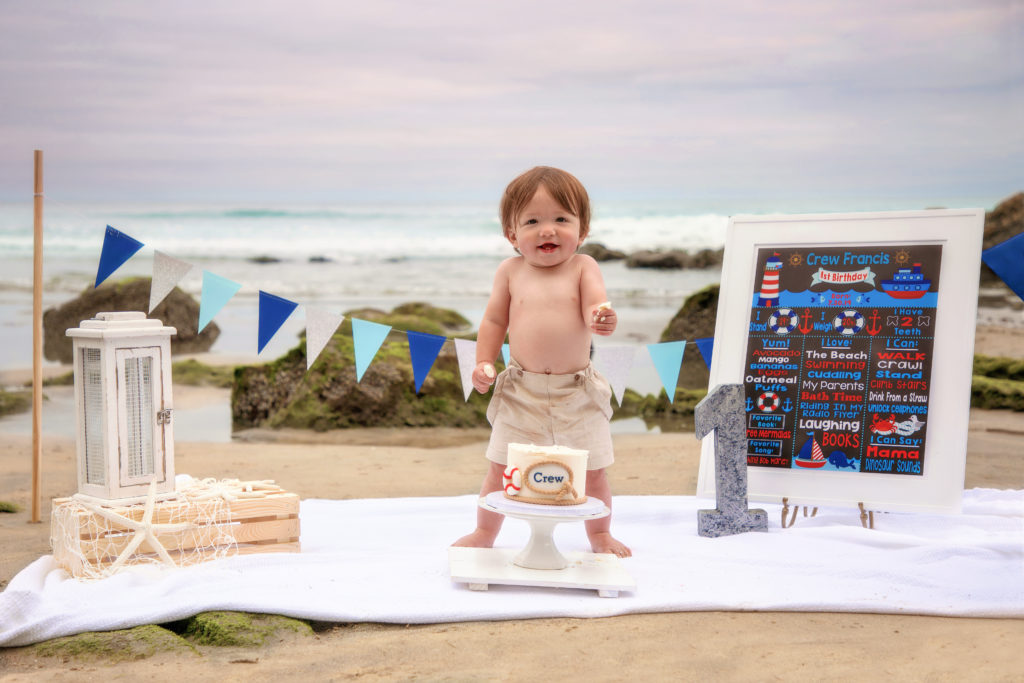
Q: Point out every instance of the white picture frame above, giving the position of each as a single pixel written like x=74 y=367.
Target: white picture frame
x=959 y=233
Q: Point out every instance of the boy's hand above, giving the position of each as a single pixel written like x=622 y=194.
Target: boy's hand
x=604 y=320
x=483 y=376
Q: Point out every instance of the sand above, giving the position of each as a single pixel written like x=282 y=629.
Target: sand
x=738 y=646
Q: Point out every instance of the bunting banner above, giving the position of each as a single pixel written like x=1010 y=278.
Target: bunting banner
x=273 y=311
x=706 y=346
x=423 y=350
x=615 y=362
x=366 y=338
x=1005 y=260
x=321 y=325
x=167 y=273
x=668 y=359
x=465 y=352
x=117 y=248
x=217 y=291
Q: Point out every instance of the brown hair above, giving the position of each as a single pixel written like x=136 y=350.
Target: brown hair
x=563 y=186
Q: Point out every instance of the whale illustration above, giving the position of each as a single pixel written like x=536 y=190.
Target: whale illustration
x=839 y=459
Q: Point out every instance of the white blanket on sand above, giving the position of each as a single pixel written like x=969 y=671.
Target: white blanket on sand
x=385 y=560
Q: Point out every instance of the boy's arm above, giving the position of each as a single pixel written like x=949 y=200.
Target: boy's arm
x=492 y=329
x=592 y=296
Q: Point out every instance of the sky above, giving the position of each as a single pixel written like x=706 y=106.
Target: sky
x=725 y=103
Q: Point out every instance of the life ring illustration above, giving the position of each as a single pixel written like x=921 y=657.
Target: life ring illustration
x=848 y=322
x=782 y=321
x=768 y=402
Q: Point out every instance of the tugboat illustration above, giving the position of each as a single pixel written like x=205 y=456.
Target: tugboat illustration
x=810 y=455
x=907 y=283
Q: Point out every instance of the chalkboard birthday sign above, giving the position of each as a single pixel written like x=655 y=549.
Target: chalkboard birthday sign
x=839 y=357
x=852 y=335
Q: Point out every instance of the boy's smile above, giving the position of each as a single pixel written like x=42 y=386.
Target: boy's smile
x=546 y=233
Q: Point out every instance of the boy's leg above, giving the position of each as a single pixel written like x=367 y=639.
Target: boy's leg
x=599 y=530
x=488 y=523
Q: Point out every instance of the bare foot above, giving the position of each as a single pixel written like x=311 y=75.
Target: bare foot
x=478 y=539
x=604 y=542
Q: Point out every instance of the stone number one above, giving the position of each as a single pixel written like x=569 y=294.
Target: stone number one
x=723 y=412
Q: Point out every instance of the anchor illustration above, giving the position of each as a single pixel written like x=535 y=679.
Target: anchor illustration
x=874 y=328
x=805 y=325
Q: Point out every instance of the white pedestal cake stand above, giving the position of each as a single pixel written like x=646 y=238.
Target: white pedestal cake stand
x=540 y=563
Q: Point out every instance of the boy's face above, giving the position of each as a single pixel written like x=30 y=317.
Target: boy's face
x=545 y=233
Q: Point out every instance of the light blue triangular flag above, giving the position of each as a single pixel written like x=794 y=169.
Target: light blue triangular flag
x=366 y=338
x=423 y=350
x=273 y=311
x=668 y=358
x=505 y=353
x=217 y=291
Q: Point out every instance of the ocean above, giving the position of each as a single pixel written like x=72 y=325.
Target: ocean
x=338 y=257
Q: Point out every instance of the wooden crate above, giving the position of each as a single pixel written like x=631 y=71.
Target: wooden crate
x=84 y=543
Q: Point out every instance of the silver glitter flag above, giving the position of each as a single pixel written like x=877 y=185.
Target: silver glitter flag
x=167 y=273
x=615 y=362
x=465 y=351
x=320 y=327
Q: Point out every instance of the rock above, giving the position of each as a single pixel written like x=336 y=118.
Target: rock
x=676 y=259
x=263 y=259
x=1001 y=223
x=178 y=310
x=694 y=320
x=1004 y=221
x=599 y=252
x=284 y=394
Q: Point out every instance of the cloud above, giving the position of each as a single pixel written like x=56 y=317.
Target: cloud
x=389 y=98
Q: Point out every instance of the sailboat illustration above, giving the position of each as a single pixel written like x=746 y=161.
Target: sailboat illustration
x=810 y=454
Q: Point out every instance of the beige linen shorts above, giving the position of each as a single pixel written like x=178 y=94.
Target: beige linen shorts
x=548 y=410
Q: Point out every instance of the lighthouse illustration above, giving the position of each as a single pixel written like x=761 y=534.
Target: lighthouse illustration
x=770 y=282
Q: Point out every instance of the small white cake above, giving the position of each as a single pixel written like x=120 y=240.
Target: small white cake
x=546 y=475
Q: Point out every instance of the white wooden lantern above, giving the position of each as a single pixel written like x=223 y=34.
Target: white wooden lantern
x=123 y=398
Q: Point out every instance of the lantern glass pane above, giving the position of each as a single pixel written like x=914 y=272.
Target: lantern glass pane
x=139 y=414
x=92 y=419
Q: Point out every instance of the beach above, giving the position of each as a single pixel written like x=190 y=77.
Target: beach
x=373 y=463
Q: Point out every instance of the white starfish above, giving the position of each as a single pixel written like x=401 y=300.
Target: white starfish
x=145 y=530
x=231 y=489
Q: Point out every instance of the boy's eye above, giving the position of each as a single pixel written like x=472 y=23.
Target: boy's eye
x=562 y=219
x=530 y=221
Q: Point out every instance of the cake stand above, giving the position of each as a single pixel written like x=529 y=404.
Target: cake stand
x=540 y=563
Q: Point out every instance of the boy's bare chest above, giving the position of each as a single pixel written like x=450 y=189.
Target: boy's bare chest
x=547 y=291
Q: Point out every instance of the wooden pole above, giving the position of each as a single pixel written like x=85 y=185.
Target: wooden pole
x=37 y=335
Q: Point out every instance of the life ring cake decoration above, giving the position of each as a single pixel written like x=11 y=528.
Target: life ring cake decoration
x=782 y=321
x=848 y=322
x=546 y=475
x=512 y=478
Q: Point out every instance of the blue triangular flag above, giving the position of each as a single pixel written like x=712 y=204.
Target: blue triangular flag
x=505 y=353
x=217 y=291
x=668 y=358
x=367 y=338
x=423 y=350
x=272 y=313
x=117 y=248
x=1005 y=261
x=706 y=346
